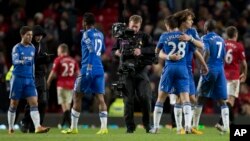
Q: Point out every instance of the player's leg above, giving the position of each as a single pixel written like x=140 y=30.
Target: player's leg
x=66 y=106
x=205 y=87
x=220 y=94
x=233 y=93
x=98 y=87
x=158 y=110
x=178 y=116
x=16 y=92
x=63 y=99
x=77 y=102
x=12 y=115
x=172 y=101
x=32 y=99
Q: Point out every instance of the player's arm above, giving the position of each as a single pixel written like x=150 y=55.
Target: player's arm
x=243 y=75
x=173 y=57
x=191 y=39
x=204 y=68
x=52 y=76
x=90 y=46
x=17 y=59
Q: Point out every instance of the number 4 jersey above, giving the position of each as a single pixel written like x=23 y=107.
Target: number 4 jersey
x=235 y=54
x=65 y=68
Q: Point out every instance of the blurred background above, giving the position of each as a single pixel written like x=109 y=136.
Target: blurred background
x=62 y=21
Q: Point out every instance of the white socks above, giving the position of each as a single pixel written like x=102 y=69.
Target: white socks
x=178 y=116
x=103 y=118
x=11 y=117
x=187 y=110
x=157 y=114
x=35 y=116
x=225 y=117
x=196 y=115
x=74 y=118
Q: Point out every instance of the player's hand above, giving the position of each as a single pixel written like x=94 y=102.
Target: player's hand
x=243 y=77
x=27 y=62
x=137 y=51
x=204 y=70
x=175 y=57
x=185 y=37
x=118 y=53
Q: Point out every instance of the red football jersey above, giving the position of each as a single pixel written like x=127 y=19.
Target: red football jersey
x=235 y=54
x=65 y=68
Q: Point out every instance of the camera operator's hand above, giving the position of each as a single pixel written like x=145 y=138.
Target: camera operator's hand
x=137 y=51
x=118 y=53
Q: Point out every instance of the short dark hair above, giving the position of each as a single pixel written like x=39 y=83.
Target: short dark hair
x=210 y=25
x=89 y=18
x=231 y=31
x=171 y=21
x=25 y=29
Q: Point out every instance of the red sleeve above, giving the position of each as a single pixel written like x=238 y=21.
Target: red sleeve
x=242 y=55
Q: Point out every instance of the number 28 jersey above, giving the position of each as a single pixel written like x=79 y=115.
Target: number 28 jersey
x=235 y=54
x=170 y=44
x=65 y=68
x=93 y=40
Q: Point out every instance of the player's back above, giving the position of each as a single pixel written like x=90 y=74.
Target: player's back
x=215 y=45
x=92 y=39
x=66 y=69
x=234 y=55
x=173 y=45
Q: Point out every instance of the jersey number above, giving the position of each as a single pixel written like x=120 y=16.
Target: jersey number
x=229 y=56
x=68 y=69
x=180 y=46
x=219 y=44
x=98 y=46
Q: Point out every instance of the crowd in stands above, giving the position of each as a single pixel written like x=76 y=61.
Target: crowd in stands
x=61 y=20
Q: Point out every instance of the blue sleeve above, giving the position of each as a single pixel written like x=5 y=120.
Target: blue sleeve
x=103 y=45
x=206 y=44
x=16 y=58
x=195 y=34
x=90 y=46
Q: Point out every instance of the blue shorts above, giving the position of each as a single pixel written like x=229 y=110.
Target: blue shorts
x=213 y=85
x=22 y=87
x=174 y=77
x=97 y=85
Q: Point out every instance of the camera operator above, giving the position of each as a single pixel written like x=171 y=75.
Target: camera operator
x=136 y=81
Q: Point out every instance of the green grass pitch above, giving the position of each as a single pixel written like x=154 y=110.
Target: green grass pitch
x=210 y=134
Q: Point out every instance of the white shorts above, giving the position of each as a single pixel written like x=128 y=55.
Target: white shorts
x=64 y=95
x=233 y=88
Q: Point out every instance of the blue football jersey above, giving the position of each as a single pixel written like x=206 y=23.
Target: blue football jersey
x=191 y=32
x=92 y=40
x=23 y=60
x=215 y=45
x=170 y=44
